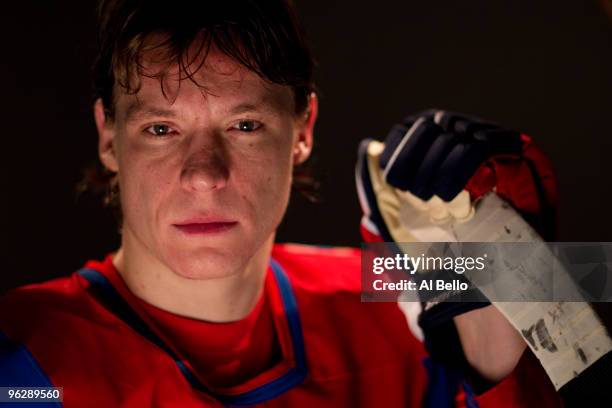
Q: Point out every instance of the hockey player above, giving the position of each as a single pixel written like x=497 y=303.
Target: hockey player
x=203 y=111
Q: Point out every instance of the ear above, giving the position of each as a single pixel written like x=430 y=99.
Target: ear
x=303 y=143
x=106 y=135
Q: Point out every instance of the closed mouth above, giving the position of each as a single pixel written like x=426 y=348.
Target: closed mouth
x=206 y=227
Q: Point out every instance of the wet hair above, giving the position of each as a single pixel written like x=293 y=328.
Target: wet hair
x=262 y=35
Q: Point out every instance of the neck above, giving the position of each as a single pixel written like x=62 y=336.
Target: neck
x=225 y=299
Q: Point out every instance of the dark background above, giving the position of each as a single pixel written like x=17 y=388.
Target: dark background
x=541 y=66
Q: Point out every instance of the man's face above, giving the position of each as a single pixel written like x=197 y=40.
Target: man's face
x=204 y=171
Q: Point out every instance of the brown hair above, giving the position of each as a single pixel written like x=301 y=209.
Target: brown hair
x=262 y=35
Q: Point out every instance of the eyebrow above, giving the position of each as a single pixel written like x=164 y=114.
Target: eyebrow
x=136 y=109
x=261 y=105
x=139 y=110
x=247 y=107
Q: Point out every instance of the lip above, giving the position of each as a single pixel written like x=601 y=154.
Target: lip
x=208 y=227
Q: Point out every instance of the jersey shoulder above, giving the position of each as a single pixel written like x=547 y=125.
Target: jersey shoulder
x=58 y=293
x=319 y=268
x=47 y=307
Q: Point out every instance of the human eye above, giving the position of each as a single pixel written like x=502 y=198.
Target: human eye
x=160 y=130
x=247 y=125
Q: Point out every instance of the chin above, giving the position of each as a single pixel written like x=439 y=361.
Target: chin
x=206 y=263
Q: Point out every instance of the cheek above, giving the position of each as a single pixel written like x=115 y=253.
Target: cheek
x=144 y=182
x=266 y=177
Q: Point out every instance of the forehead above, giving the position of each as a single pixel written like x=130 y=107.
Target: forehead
x=212 y=79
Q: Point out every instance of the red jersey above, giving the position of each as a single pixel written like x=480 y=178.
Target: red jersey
x=309 y=342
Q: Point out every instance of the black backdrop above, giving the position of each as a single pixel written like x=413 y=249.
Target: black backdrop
x=540 y=66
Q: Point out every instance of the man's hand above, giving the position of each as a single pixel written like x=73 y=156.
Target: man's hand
x=426 y=177
x=441 y=163
x=435 y=173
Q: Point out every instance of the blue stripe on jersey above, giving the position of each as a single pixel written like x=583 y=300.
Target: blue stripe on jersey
x=443 y=386
x=296 y=375
x=106 y=293
x=18 y=368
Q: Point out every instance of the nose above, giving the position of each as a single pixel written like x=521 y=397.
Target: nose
x=206 y=170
